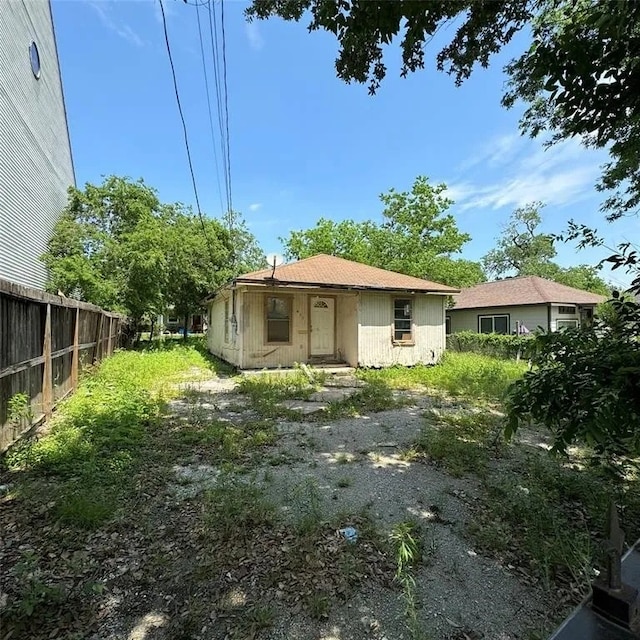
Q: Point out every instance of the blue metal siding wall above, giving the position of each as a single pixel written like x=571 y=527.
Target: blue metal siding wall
x=35 y=155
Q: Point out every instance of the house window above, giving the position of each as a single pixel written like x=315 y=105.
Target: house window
x=402 y=316
x=226 y=321
x=172 y=319
x=278 y=319
x=34 y=58
x=567 y=311
x=447 y=325
x=493 y=324
x=566 y=324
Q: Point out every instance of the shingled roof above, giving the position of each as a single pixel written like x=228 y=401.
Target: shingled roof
x=522 y=291
x=329 y=271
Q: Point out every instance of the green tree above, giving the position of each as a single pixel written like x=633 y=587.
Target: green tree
x=198 y=254
x=117 y=246
x=416 y=237
x=523 y=250
x=107 y=247
x=578 y=75
x=585 y=386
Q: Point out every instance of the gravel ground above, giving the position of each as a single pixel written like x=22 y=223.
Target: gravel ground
x=357 y=464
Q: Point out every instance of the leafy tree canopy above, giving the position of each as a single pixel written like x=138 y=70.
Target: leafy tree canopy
x=117 y=246
x=417 y=237
x=579 y=74
x=524 y=251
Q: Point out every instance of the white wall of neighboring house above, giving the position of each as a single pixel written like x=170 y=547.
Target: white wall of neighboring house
x=35 y=155
x=532 y=316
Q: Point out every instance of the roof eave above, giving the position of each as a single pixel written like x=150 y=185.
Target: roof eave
x=273 y=282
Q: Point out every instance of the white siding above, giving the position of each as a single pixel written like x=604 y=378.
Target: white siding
x=556 y=315
x=35 y=155
x=347 y=328
x=375 y=344
x=227 y=350
x=257 y=354
x=532 y=316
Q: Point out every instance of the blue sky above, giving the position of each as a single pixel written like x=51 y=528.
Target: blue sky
x=303 y=143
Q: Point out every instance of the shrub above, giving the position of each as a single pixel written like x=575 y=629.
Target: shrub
x=490 y=344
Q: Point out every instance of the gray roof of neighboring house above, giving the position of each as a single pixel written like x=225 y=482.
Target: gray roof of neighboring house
x=522 y=290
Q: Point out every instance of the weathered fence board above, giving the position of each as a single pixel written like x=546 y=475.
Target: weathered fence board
x=45 y=340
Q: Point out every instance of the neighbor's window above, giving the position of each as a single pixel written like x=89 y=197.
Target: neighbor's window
x=402 y=315
x=278 y=319
x=566 y=324
x=172 y=319
x=226 y=321
x=568 y=311
x=447 y=325
x=493 y=324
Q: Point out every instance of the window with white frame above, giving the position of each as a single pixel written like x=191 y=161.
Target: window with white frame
x=278 y=319
x=402 y=320
x=566 y=324
x=493 y=324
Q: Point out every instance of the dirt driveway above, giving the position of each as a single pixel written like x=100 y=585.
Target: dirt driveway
x=311 y=515
x=361 y=469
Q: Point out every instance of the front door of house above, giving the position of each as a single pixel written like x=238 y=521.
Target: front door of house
x=322 y=326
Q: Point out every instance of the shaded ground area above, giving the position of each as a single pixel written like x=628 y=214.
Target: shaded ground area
x=224 y=517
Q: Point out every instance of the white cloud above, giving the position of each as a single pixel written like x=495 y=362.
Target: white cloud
x=256 y=41
x=522 y=171
x=255 y=206
x=121 y=29
x=497 y=152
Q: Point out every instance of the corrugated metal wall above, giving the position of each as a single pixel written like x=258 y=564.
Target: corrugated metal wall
x=35 y=156
x=375 y=346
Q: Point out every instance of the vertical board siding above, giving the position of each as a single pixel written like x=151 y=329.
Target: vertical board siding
x=228 y=351
x=24 y=362
x=35 y=156
x=375 y=344
x=257 y=354
x=347 y=328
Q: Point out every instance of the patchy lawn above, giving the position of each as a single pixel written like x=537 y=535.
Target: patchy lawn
x=171 y=500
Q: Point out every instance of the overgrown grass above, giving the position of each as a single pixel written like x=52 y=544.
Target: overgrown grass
x=460 y=374
x=97 y=435
x=268 y=390
x=551 y=517
x=462 y=442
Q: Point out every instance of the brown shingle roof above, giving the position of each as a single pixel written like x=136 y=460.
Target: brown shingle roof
x=330 y=271
x=522 y=290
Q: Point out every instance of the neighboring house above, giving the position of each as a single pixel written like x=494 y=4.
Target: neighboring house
x=327 y=310
x=520 y=305
x=35 y=155
x=175 y=324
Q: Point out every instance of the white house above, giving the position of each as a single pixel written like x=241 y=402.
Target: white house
x=327 y=310
x=520 y=305
x=35 y=155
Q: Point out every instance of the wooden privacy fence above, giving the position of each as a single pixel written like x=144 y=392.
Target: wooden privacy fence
x=44 y=341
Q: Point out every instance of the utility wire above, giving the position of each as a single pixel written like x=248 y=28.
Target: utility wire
x=184 y=128
x=226 y=105
x=206 y=86
x=213 y=34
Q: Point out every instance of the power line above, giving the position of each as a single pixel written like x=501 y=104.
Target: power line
x=213 y=34
x=184 y=128
x=226 y=103
x=206 y=85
